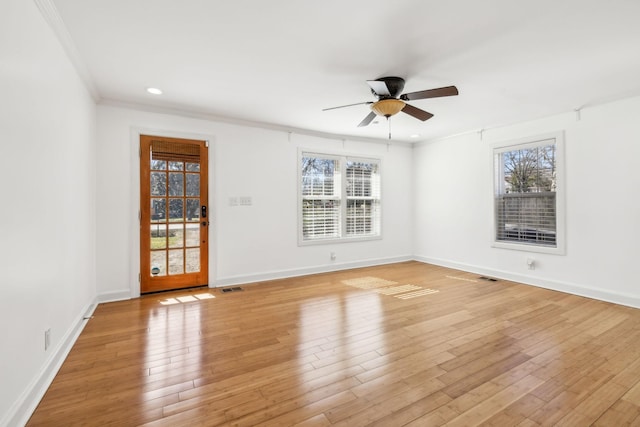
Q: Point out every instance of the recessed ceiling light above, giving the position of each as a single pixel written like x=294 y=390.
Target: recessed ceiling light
x=415 y=135
x=154 y=91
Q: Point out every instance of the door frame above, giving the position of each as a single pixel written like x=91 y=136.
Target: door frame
x=134 y=200
x=185 y=279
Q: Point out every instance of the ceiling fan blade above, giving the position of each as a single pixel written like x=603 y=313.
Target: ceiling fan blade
x=367 y=119
x=348 y=105
x=379 y=87
x=416 y=112
x=431 y=93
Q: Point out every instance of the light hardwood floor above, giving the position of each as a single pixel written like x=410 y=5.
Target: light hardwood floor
x=406 y=344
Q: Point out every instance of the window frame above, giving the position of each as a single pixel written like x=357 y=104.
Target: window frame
x=497 y=183
x=342 y=197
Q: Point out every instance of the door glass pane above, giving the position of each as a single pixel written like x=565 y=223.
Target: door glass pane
x=175 y=209
x=176 y=261
x=193 y=235
x=193 y=167
x=158 y=165
x=158 y=263
x=176 y=166
x=176 y=184
x=176 y=235
x=158 y=210
x=193 y=210
x=158 y=236
x=193 y=184
x=158 y=184
x=193 y=260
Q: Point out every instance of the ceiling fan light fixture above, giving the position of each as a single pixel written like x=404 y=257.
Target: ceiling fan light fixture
x=387 y=107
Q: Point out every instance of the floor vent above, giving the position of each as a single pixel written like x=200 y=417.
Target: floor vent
x=236 y=289
x=488 y=279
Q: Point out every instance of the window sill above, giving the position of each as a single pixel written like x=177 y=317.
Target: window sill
x=338 y=240
x=552 y=250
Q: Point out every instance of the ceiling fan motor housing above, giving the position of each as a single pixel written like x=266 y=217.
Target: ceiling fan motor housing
x=395 y=85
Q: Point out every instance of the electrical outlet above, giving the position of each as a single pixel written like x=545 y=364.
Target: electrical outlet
x=245 y=201
x=233 y=201
x=332 y=255
x=47 y=339
x=531 y=263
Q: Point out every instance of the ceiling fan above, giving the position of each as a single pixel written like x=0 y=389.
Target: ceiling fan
x=390 y=102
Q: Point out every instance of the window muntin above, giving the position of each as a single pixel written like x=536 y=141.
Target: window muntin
x=333 y=208
x=527 y=209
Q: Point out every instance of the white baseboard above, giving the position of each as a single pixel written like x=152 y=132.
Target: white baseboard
x=570 y=288
x=23 y=407
x=114 y=296
x=270 y=275
x=283 y=274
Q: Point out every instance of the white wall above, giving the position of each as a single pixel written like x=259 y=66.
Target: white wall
x=249 y=243
x=68 y=216
x=454 y=208
x=47 y=210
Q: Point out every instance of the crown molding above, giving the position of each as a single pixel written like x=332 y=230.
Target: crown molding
x=50 y=14
x=201 y=115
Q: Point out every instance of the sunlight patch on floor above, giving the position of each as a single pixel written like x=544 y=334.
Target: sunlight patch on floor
x=396 y=289
x=388 y=287
x=461 y=278
x=369 y=282
x=186 y=298
x=419 y=293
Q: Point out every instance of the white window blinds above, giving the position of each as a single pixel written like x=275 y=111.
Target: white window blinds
x=320 y=198
x=336 y=208
x=525 y=196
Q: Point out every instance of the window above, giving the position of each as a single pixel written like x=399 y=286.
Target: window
x=339 y=198
x=527 y=189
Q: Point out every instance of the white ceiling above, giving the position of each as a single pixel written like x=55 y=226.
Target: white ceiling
x=280 y=62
